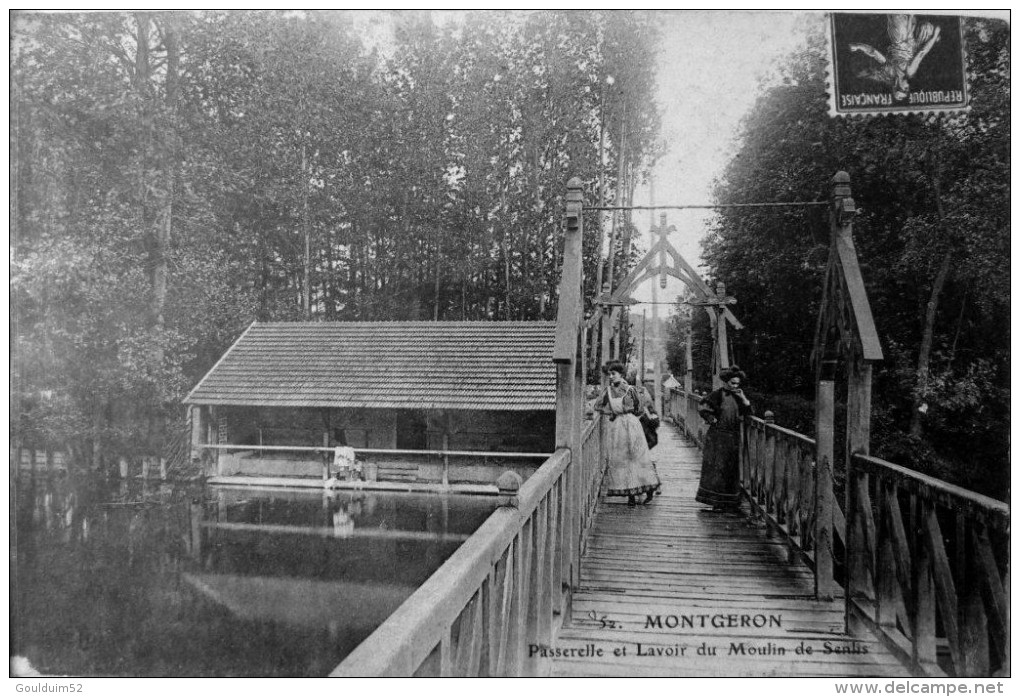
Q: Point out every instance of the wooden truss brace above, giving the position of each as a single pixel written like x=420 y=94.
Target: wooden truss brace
x=670 y=263
x=661 y=261
x=845 y=323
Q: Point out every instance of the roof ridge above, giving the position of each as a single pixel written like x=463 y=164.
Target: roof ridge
x=456 y=322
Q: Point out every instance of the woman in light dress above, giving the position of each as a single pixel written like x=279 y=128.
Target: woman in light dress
x=631 y=470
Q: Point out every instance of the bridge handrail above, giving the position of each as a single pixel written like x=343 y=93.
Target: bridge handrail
x=928 y=565
x=502 y=589
x=760 y=423
x=682 y=408
x=991 y=512
x=778 y=472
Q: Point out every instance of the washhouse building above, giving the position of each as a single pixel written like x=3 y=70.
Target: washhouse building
x=418 y=401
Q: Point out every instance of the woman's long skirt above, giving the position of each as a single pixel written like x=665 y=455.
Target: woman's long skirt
x=720 y=470
x=631 y=470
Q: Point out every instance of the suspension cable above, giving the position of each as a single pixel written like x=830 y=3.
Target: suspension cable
x=780 y=204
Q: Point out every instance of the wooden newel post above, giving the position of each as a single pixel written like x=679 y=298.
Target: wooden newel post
x=568 y=318
x=509 y=484
x=722 y=345
x=846 y=325
x=768 y=457
x=567 y=356
x=825 y=584
x=689 y=361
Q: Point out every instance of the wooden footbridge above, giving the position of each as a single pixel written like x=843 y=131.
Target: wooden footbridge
x=905 y=575
x=675 y=589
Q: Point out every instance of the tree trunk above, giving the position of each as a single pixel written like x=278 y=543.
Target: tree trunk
x=959 y=326
x=928 y=331
x=98 y=409
x=141 y=75
x=354 y=277
x=163 y=151
x=439 y=255
x=927 y=335
x=628 y=228
x=506 y=276
x=163 y=230
x=600 y=198
x=617 y=215
x=307 y=286
x=329 y=302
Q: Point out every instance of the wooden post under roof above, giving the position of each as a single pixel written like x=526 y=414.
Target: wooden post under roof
x=198 y=431
x=213 y=437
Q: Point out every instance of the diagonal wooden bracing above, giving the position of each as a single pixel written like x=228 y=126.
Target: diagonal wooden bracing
x=845 y=309
x=660 y=262
x=663 y=252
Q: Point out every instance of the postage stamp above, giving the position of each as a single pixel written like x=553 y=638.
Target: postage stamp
x=896 y=64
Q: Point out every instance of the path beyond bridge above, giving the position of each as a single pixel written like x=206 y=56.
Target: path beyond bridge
x=671 y=589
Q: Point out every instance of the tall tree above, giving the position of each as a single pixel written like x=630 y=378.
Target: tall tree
x=932 y=229
x=179 y=174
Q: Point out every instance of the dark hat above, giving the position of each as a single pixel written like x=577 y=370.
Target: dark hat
x=733 y=371
x=614 y=365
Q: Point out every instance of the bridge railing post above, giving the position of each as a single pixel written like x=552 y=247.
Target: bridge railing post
x=767 y=459
x=560 y=519
x=824 y=417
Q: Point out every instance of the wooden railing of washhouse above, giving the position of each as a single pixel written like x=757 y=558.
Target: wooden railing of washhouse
x=508 y=586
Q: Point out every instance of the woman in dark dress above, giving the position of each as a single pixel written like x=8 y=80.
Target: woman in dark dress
x=723 y=410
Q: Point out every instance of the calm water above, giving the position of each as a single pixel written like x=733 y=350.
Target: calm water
x=160 y=580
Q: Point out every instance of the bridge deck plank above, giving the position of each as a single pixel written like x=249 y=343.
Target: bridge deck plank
x=675 y=563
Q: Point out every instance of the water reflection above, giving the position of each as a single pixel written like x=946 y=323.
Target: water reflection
x=154 y=579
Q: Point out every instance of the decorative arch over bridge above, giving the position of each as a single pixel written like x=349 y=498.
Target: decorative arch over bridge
x=662 y=261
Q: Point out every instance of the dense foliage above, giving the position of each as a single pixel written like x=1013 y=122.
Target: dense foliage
x=177 y=175
x=932 y=237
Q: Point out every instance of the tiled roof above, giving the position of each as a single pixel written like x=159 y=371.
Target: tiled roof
x=423 y=365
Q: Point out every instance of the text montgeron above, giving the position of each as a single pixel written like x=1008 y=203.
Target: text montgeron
x=730 y=621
